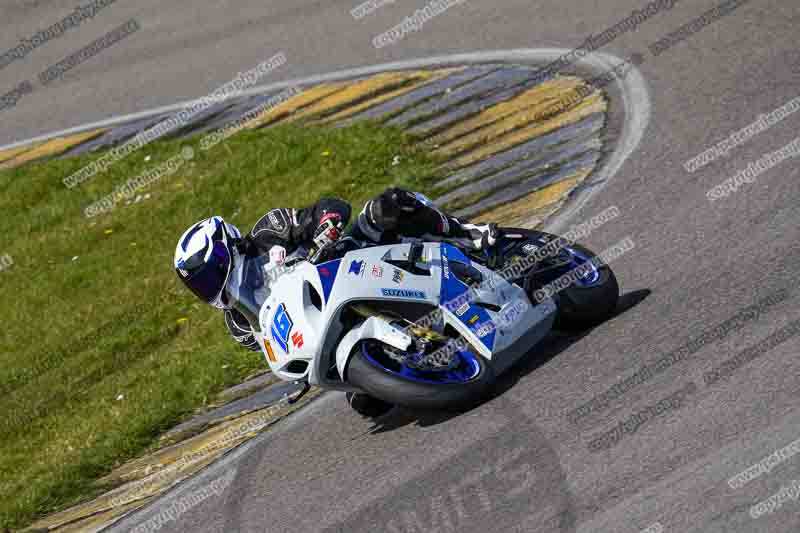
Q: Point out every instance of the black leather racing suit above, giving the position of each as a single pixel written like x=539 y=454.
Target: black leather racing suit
x=290 y=228
x=384 y=219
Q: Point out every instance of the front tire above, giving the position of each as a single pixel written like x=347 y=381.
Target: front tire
x=581 y=306
x=364 y=372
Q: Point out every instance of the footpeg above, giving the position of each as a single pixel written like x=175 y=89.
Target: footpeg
x=294 y=399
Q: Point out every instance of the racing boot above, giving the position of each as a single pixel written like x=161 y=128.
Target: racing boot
x=475 y=236
x=398 y=212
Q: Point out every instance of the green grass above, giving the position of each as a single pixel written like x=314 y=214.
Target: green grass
x=79 y=333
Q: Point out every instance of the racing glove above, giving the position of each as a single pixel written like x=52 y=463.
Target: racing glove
x=328 y=231
x=277 y=255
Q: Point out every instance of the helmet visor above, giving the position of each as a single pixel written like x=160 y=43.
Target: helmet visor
x=209 y=279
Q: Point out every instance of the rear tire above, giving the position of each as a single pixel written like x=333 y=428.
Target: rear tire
x=398 y=390
x=367 y=406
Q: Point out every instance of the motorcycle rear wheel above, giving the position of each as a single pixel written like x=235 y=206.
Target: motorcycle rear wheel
x=366 y=372
x=367 y=406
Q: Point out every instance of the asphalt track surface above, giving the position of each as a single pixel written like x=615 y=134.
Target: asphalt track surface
x=518 y=462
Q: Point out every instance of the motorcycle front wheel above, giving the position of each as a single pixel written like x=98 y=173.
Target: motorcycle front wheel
x=588 y=301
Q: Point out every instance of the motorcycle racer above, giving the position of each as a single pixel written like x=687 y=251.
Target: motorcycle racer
x=208 y=251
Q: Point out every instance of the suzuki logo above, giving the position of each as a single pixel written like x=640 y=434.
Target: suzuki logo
x=297 y=339
x=357 y=268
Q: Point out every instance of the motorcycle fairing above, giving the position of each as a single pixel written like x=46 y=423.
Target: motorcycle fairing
x=370 y=274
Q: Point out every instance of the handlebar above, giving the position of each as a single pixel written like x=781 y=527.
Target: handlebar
x=335 y=249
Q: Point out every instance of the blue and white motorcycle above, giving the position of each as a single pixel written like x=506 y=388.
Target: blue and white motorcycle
x=422 y=324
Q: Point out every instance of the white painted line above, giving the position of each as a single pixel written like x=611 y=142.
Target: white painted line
x=636 y=103
x=597 y=61
x=633 y=90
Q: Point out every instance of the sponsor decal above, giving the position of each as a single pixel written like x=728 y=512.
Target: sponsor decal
x=513 y=312
x=461 y=311
x=183 y=273
x=530 y=249
x=281 y=327
x=275 y=221
x=485 y=329
x=446 y=267
x=270 y=353
x=403 y=293
x=377 y=271
x=325 y=272
x=297 y=339
x=398 y=276
x=473 y=319
x=357 y=268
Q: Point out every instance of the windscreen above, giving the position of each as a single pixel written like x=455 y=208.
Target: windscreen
x=248 y=287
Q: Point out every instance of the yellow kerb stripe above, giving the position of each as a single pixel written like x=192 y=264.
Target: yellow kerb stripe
x=5 y=155
x=52 y=147
x=284 y=109
x=514 y=212
x=505 y=134
x=356 y=92
x=536 y=102
x=423 y=77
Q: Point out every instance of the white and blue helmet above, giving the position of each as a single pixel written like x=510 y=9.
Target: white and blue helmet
x=204 y=259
